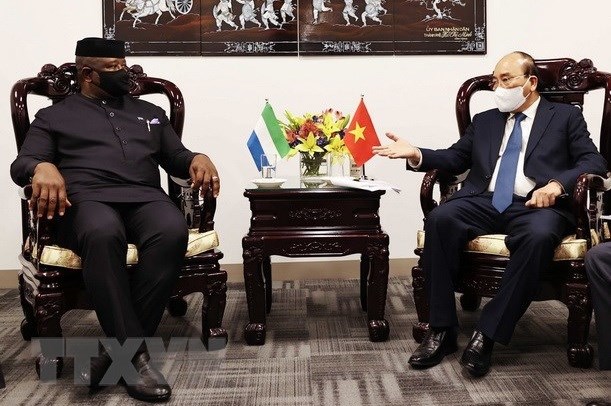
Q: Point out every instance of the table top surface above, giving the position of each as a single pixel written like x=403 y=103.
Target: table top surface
x=294 y=185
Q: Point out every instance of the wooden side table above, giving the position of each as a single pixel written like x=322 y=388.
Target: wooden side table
x=302 y=222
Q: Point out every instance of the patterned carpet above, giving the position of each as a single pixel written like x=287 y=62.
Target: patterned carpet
x=318 y=353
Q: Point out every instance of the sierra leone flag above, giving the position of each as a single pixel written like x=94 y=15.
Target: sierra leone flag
x=267 y=128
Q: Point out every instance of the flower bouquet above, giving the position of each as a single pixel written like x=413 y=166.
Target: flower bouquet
x=317 y=139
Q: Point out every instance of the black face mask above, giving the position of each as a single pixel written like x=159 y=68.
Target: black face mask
x=114 y=83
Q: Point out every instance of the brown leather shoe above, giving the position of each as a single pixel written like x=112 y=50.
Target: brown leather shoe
x=477 y=355
x=150 y=386
x=434 y=346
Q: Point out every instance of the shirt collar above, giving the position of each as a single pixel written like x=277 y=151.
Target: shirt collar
x=531 y=110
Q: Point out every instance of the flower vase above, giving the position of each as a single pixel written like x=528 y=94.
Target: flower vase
x=312 y=167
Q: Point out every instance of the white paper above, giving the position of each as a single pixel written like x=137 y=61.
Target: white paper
x=364 y=184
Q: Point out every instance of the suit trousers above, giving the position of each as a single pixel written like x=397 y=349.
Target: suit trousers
x=598 y=268
x=128 y=304
x=532 y=236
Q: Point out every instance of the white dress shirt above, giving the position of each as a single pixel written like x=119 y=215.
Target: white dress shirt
x=523 y=184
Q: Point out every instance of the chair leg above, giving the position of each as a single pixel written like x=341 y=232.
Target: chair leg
x=214 y=336
x=470 y=302
x=177 y=306
x=28 y=324
x=48 y=311
x=422 y=305
x=577 y=299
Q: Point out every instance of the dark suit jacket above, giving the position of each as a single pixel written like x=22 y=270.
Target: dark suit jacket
x=106 y=150
x=559 y=148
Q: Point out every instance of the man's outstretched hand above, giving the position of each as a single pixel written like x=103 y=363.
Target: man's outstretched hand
x=204 y=175
x=48 y=191
x=400 y=148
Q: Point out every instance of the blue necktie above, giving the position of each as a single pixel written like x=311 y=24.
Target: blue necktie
x=506 y=178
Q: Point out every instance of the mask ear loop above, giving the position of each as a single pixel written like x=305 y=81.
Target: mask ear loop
x=528 y=81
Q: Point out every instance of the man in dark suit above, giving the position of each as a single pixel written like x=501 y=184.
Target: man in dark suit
x=524 y=158
x=93 y=159
x=598 y=268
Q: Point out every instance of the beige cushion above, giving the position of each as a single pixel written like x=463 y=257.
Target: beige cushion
x=63 y=257
x=570 y=248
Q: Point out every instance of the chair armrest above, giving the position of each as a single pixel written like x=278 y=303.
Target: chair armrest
x=39 y=229
x=599 y=183
x=198 y=214
x=587 y=204
x=448 y=185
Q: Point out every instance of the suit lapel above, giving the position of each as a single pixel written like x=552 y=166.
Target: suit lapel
x=545 y=112
x=497 y=131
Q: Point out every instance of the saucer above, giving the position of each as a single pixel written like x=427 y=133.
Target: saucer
x=268 y=183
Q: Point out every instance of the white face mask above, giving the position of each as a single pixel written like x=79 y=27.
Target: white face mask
x=508 y=100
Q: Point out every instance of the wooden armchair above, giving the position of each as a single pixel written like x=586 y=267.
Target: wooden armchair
x=50 y=281
x=485 y=258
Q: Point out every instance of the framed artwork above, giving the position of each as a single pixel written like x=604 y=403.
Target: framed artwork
x=291 y=27
x=440 y=26
x=154 y=27
x=248 y=27
x=346 y=27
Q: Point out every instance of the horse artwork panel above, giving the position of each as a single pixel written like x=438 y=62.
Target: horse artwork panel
x=346 y=27
x=142 y=8
x=292 y=27
x=154 y=27
x=249 y=27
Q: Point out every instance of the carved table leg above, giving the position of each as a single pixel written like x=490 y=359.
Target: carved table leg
x=214 y=336
x=267 y=274
x=365 y=268
x=254 y=332
x=377 y=288
x=420 y=328
x=579 y=352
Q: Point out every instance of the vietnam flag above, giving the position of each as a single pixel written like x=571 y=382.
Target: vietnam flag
x=360 y=136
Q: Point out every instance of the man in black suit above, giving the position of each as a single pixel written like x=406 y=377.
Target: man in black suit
x=598 y=268
x=524 y=158
x=93 y=159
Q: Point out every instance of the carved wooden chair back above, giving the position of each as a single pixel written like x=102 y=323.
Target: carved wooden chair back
x=561 y=80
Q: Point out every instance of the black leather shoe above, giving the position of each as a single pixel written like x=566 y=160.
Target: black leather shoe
x=98 y=367
x=150 y=386
x=434 y=346
x=477 y=355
